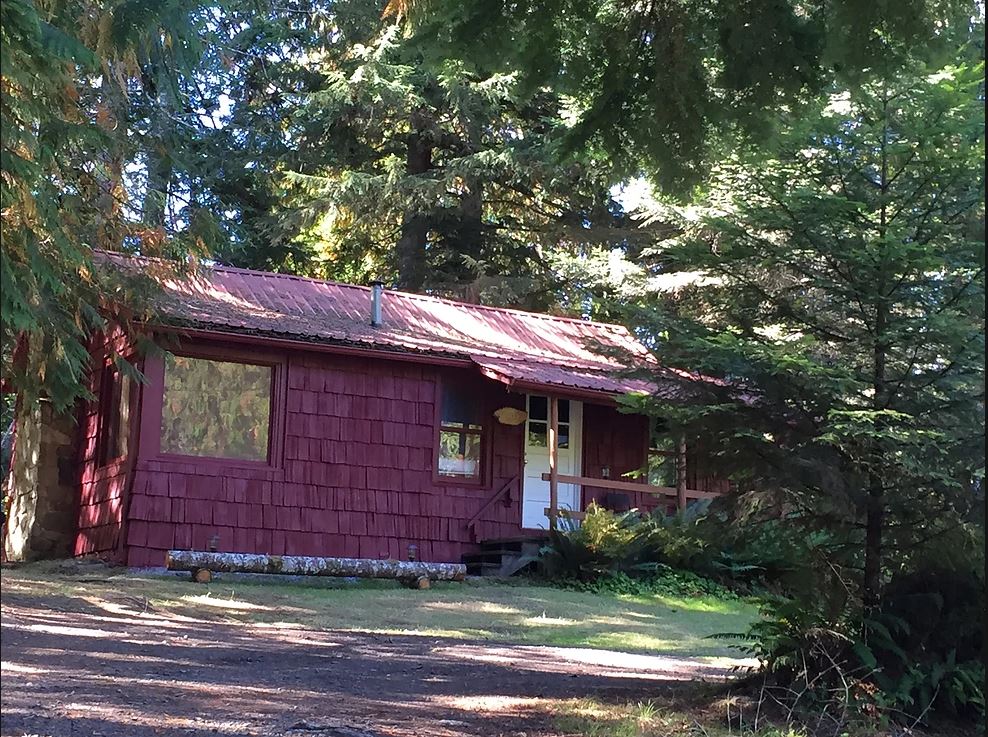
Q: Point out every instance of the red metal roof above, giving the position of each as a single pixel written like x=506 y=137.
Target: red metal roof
x=509 y=345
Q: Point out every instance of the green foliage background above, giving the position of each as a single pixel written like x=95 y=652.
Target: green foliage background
x=808 y=242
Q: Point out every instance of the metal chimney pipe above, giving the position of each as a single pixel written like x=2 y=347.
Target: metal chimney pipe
x=377 y=294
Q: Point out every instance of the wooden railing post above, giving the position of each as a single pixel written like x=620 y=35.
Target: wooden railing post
x=553 y=461
x=681 y=474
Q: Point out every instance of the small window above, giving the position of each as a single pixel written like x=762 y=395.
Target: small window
x=117 y=406
x=216 y=409
x=461 y=433
x=662 y=452
x=538 y=422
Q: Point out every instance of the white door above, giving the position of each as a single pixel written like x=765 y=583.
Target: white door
x=535 y=493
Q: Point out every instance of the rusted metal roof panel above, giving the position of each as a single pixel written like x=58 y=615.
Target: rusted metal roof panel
x=517 y=345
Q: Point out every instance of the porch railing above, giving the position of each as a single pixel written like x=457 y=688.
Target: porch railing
x=673 y=492
x=502 y=493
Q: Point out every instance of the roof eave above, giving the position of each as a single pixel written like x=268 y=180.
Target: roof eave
x=322 y=346
x=599 y=396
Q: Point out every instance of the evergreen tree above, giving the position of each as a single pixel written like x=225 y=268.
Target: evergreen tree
x=655 y=84
x=434 y=176
x=831 y=301
x=67 y=71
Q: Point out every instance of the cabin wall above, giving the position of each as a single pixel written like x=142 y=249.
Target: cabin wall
x=620 y=442
x=102 y=487
x=102 y=494
x=353 y=475
x=355 y=478
x=698 y=477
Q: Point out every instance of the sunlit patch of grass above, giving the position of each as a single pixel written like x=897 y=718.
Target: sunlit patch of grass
x=697 y=604
x=593 y=718
x=635 y=641
x=518 y=613
x=545 y=621
x=208 y=599
x=446 y=633
x=480 y=607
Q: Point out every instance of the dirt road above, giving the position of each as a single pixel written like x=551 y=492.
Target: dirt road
x=73 y=666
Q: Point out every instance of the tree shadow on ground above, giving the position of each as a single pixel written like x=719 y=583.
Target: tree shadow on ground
x=118 y=668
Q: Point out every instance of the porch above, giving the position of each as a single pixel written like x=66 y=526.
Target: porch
x=563 y=474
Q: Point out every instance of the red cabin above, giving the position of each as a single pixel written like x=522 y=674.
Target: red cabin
x=299 y=416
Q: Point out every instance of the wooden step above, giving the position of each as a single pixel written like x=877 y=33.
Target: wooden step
x=469 y=558
x=539 y=538
x=531 y=546
x=499 y=551
x=483 y=569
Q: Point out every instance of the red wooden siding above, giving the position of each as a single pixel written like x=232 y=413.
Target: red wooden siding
x=618 y=441
x=352 y=474
x=102 y=488
x=356 y=477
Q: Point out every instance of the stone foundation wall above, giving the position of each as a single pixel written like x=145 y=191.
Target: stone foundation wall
x=42 y=518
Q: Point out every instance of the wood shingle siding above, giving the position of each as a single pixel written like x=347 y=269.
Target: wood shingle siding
x=356 y=478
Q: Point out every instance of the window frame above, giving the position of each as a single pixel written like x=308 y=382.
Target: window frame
x=529 y=421
x=105 y=407
x=151 y=419
x=486 y=429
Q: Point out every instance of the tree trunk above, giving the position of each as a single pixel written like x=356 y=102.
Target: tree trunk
x=158 y=161
x=115 y=120
x=411 y=253
x=159 y=176
x=681 y=500
x=875 y=509
x=415 y=224
x=303 y=565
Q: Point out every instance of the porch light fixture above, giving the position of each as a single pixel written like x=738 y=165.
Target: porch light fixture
x=605 y=472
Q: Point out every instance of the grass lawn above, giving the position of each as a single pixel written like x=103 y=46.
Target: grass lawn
x=517 y=613
x=592 y=718
x=501 y=613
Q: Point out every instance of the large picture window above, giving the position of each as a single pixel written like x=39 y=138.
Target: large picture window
x=216 y=409
x=461 y=434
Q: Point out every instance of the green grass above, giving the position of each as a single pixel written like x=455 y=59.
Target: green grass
x=593 y=718
x=525 y=614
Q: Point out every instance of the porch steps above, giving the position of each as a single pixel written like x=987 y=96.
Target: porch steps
x=503 y=557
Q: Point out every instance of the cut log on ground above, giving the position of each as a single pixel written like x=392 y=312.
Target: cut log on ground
x=420 y=582
x=303 y=565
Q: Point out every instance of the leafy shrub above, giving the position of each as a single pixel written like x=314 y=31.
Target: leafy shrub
x=660 y=581
x=926 y=643
x=752 y=557
x=793 y=640
x=606 y=542
x=919 y=656
x=626 y=553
